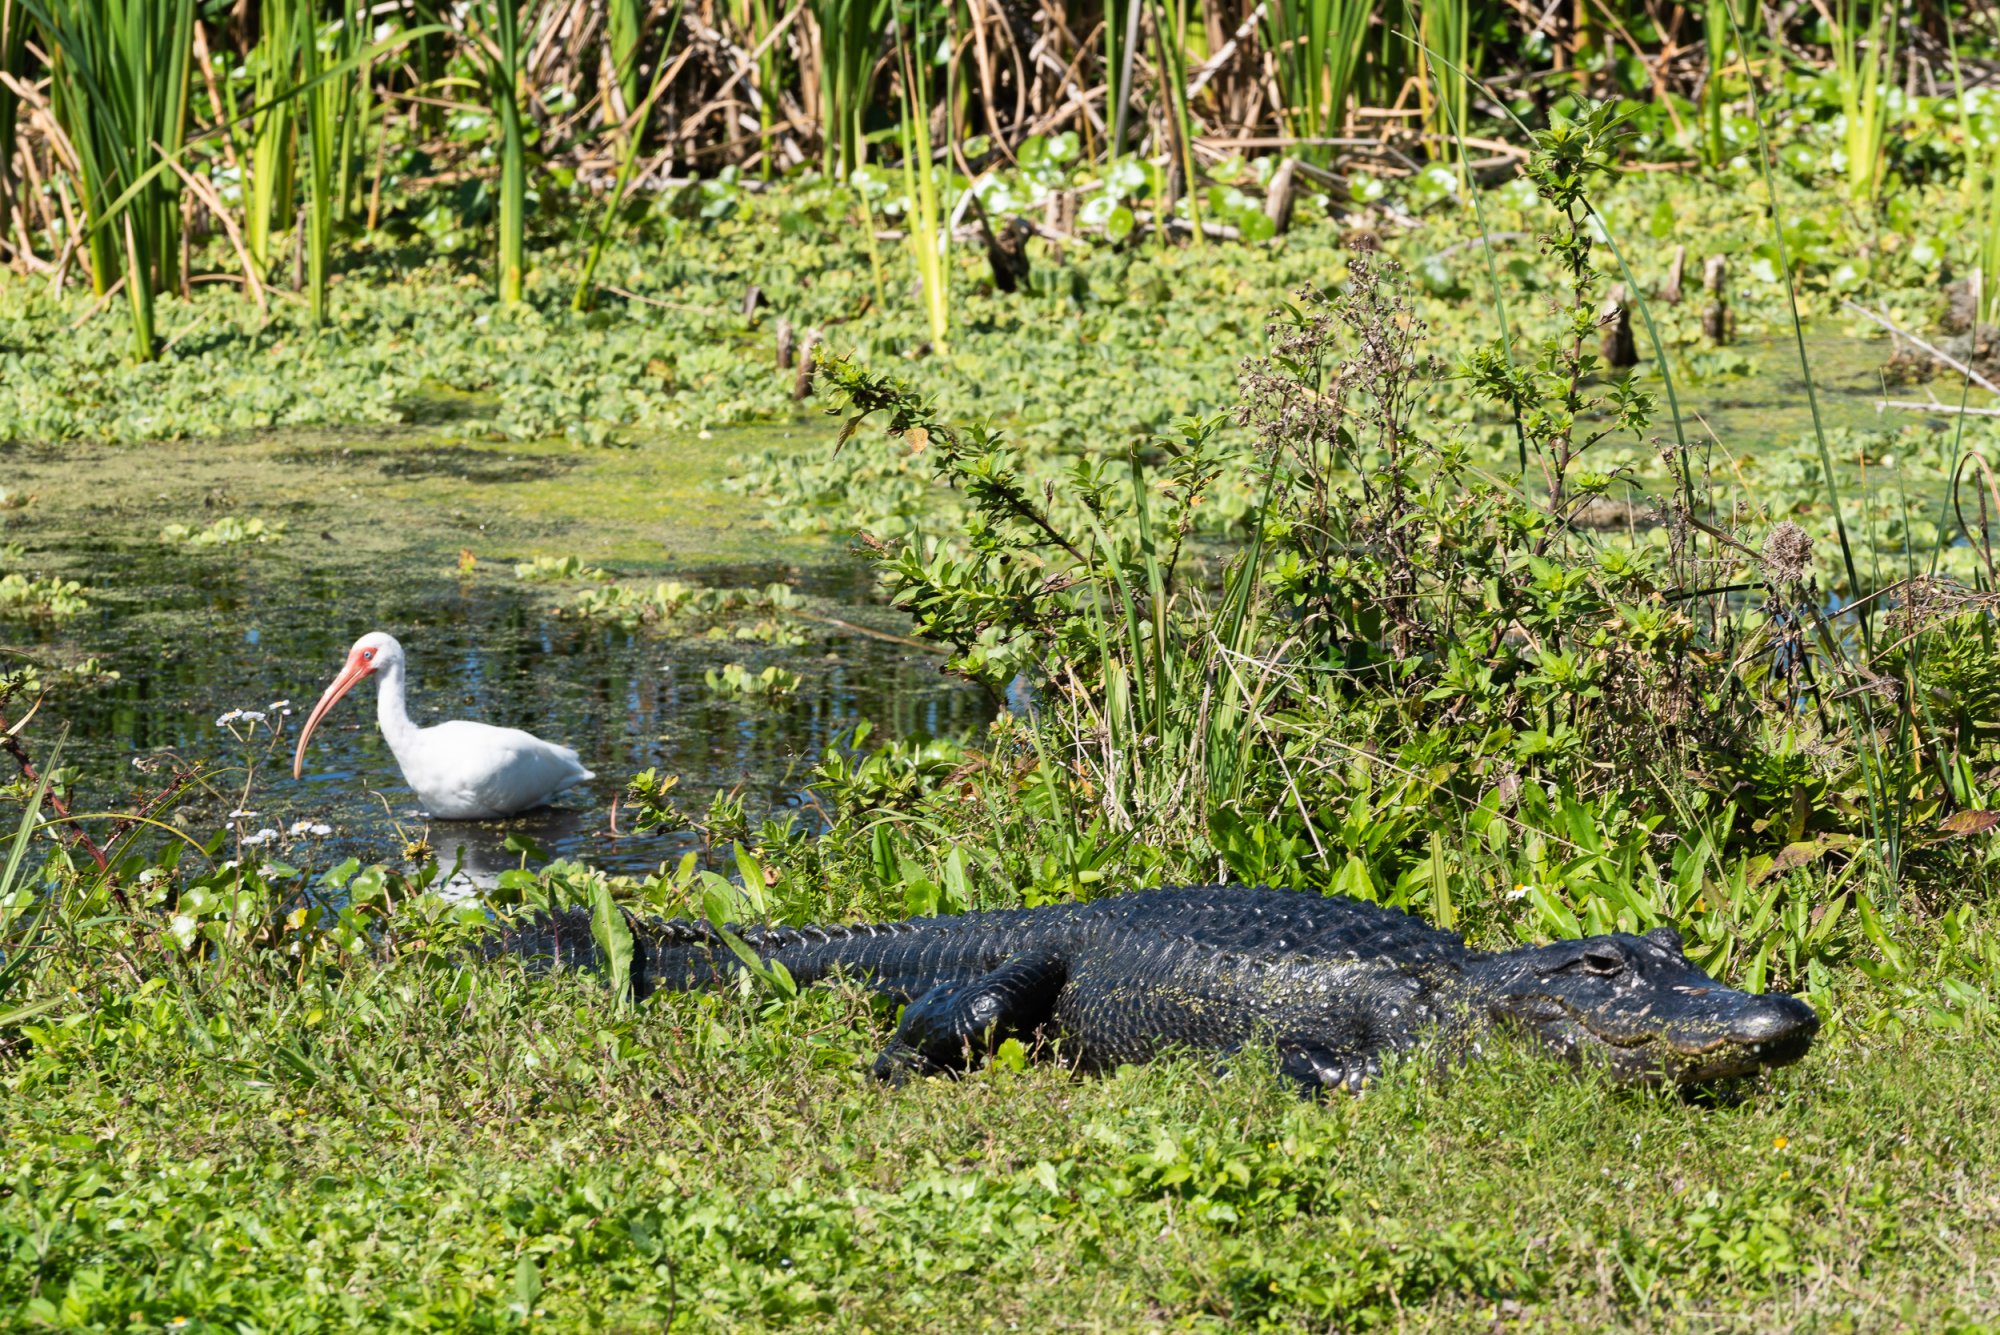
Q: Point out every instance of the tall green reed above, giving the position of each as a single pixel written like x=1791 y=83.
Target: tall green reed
x=25 y=917
x=1446 y=27
x=1715 y=50
x=500 y=49
x=1317 y=47
x=624 y=31
x=13 y=48
x=850 y=38
x=1170 y=41
x=633 y=136
x=926 y=228
x=329 y=136
x=1124 y=27
x=271 y=166
x=1980 y=185
x=1864 y=69
x=118 y=72
x=754 y=19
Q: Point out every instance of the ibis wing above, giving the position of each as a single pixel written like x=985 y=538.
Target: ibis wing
x=474 y=770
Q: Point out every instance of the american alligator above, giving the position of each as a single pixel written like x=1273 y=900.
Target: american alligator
x=1335 y=985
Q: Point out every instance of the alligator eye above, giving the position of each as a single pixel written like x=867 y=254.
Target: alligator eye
x=1602 y=962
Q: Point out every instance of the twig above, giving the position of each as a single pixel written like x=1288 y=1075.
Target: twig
x=1222 y=55
x=1945 y=357
x=869 y=631
x=208 y=196
x=1457 y=246
x=98 y=306
x=11 y=742
x=1934 y=406
x=664 y=305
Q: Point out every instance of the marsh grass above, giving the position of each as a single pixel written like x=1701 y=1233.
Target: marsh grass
x=1318 y=47
x=849 y=38
x=334 y=106
x=1864 y=39
x=505 y=30
x=926 y=223
x=271 y=165
x=484 y=1148
x=120 y=73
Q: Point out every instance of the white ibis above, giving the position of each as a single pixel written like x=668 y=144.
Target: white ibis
x=459 y=770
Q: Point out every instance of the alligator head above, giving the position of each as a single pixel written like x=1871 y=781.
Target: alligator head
x=1639 y=1008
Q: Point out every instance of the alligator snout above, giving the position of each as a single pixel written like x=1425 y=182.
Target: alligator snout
x=1777 y=1028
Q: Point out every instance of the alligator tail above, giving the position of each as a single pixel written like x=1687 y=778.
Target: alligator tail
x=903 y=959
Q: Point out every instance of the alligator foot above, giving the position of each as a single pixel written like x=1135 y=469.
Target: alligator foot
x=942 y=1029
x=1316 y=1069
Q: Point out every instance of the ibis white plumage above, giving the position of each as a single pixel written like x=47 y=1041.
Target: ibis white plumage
x=459 y=770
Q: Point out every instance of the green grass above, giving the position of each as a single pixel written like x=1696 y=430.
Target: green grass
x=429 y=1147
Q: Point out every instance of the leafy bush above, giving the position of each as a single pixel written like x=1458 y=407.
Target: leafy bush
x=1420 y=682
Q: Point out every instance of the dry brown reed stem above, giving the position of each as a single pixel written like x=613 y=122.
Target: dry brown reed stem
x=206 y=193
x=10 y=741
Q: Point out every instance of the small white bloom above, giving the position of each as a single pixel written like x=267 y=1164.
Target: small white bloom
x=299 y=827
x=252 y=716
x=242 y=815
x=259 y=839
x=229 y=718
x=322 y=830
x=278 y=704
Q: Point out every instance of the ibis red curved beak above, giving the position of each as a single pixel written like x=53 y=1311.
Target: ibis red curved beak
x=356 y=669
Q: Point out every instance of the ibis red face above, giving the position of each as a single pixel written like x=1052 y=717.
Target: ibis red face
x=361 y=661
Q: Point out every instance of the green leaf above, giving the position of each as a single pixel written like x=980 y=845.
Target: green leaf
x=613 y=936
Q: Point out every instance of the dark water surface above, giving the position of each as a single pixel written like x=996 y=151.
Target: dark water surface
x=189 y=651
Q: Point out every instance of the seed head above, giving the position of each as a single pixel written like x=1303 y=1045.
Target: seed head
x=1788 y=554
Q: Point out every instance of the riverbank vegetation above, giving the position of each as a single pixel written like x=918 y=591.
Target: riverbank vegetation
x=1530 y=472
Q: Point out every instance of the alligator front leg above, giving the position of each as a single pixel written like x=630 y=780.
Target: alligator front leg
x=944 y=1027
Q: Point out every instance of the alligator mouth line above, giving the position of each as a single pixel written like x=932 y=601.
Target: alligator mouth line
x=1773 y=1051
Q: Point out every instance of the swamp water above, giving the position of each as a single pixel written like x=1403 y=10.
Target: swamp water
x=374 y=527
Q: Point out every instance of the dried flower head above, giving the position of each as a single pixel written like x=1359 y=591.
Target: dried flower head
x=1788 y=554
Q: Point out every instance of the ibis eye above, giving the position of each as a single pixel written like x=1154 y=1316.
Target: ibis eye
x=368 y=654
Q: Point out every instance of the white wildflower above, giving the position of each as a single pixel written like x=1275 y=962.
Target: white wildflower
x=259 y=839
x=240 y=814
x=252 y=716
x=276 y=705
x=322 y=830
x=229 y=718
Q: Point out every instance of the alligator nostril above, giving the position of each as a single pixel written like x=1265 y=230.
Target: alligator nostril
x=1778 y=1016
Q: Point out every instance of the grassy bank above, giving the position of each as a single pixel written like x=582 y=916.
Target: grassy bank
x=422 y=1147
